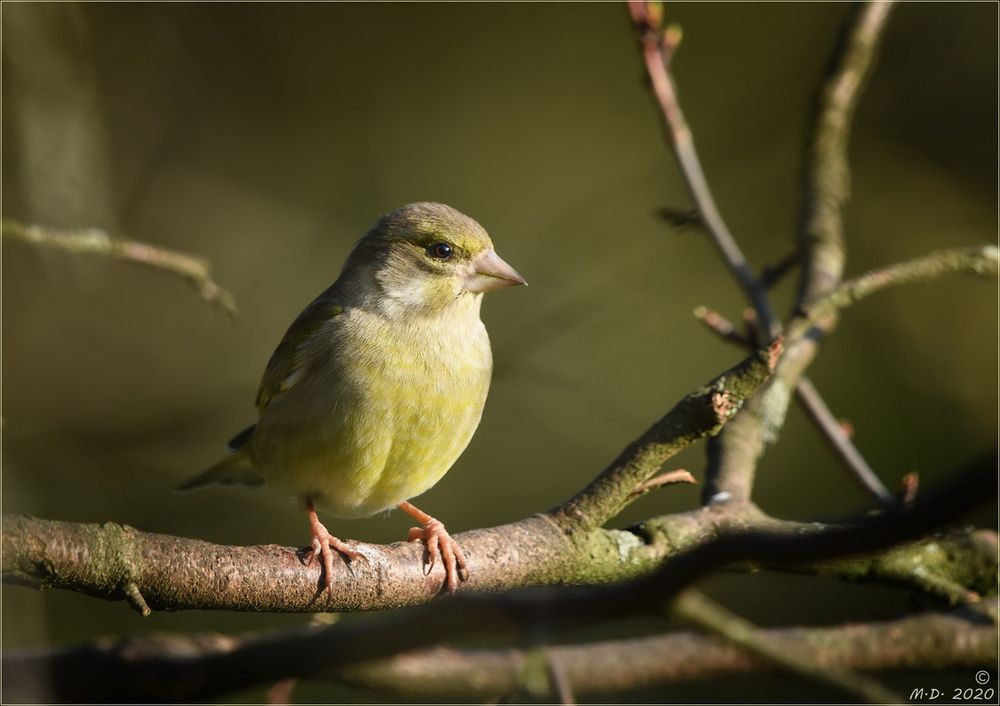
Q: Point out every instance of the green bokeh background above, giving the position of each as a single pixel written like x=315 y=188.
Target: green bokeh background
x=268 y=137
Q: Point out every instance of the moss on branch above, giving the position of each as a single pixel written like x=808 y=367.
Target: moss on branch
x=173 y=573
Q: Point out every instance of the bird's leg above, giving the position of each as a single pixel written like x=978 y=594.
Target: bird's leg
x=437 y=541
x=323 y=544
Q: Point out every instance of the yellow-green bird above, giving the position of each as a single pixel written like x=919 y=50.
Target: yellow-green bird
x=379 y=384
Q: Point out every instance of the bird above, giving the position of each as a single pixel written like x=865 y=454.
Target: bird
x=379 y=384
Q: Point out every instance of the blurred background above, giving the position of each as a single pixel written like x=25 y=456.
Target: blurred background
x=269 y=137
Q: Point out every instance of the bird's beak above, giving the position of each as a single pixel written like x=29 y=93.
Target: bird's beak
x=489 y=272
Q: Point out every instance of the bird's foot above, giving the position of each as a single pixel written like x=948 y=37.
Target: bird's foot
x=437 y=542
x=324 y=545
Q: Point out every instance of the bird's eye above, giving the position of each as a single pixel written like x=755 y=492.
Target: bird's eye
x=441 y=251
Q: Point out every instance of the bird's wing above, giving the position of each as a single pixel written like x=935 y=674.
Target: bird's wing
x=283 y=368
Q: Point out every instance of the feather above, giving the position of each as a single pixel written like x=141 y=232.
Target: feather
x=234 y=469
x=242 y=439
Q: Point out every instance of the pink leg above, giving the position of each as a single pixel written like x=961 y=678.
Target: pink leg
x=323 y=546
x=437 y=542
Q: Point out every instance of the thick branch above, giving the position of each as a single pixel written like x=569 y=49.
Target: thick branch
x=304 y=653
x=921 y=642
x=170 y=573
x=113 y=561
x=195 y=270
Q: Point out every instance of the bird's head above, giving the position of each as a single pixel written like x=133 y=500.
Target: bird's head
x=426 y=257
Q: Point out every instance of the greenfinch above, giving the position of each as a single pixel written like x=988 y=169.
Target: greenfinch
x=379 y=384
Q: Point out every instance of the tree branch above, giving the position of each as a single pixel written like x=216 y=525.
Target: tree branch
x=980 y=260
x=826 y=173
x=764 y=416
x=768 y=408
x=658 y=45
x=921 y=642
x=833 y=431
x=734 y=454
x=300 y=653
x=193 y=269
x=696 y=608
x=112 y=561
x=817 y=409
x=702 y=413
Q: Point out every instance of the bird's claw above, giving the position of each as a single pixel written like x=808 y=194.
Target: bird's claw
x=324 y=545
x=437 y=542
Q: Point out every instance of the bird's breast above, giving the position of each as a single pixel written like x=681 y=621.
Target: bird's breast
x=384 y=412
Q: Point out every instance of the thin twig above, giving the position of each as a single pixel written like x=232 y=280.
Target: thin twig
x=697 y=609
x=980 y=260
x=909 y=486
x=657 y=50
x=669 y=478
x=733 y=456
x=772 y=274
x=833 y=431
x=195 y=270
x=558 y=678
x=722 y=327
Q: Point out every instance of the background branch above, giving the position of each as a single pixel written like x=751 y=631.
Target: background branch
x=982 y=260
x=193 y=269
x=924 y=641
x=658 y=45
x=698 y=609
x=826 y=174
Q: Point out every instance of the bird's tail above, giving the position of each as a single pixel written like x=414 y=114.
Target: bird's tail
x=234 y=469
